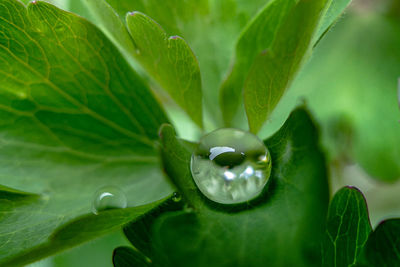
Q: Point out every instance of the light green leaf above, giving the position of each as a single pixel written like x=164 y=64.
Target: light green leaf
x=258 y=36
x=73 y=117
x=347 y=228
x=275 y=228
x=331 y=15
x=104 y=16
x=274 y=69
x=170 y=61
x=208 y=28
x=255 y=38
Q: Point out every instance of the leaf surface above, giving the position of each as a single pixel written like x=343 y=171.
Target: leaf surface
x=73 y=117
x=347 y=228
x=170 y=61
x=258 y=36
x=208 y=28
x=274 y=69
x=349 y=239
x=275 y=228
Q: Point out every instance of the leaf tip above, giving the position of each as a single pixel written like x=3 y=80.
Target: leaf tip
x=166 y=130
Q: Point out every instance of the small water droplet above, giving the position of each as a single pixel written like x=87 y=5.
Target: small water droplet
x=176 y=197
x=137 y=51
x=231 y=166
x=108 y=197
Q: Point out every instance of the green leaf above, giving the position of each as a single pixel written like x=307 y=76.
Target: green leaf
x=255 y=38
x=347 y=228
x=128 y=257
x=73 y=117
x=105 y=17
x=170 y=61
x=382 y=248
x=330 y=17
x=274 y=229
x=209 y=29
x=258 y=36
x=274 y=69
x=349 y=240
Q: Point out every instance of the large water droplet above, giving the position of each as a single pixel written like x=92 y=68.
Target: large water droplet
x=108 y=197
x=231 y=166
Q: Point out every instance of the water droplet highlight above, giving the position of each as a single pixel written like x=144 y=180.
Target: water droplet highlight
x=108 y=197
x=231 y=166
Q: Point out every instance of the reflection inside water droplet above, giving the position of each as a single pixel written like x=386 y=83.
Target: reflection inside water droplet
x=231 y=166
x=108 y=197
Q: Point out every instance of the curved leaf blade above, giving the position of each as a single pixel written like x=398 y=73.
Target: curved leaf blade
x=170 y=61
x=274 y=69
x=73 y=117
x=255 y=38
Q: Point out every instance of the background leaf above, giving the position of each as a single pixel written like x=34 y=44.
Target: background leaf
x=73 y=117
x=170 y=61
x=347 y=228
x=258 y=36
x=209 y=30
x=274 y=229
x=274 y=69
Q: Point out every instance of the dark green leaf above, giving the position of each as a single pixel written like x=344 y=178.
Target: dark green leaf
x=383 y=246
x=274 y=69
x=274 y=229
x=347 y=228
x=128 y=257
x=170 y=61
x=73 y=117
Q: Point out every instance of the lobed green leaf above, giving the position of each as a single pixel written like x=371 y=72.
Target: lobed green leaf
x=170 y=61
x=274 y=229
x=209 y=29
x=73 y=117
x=347 y=228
